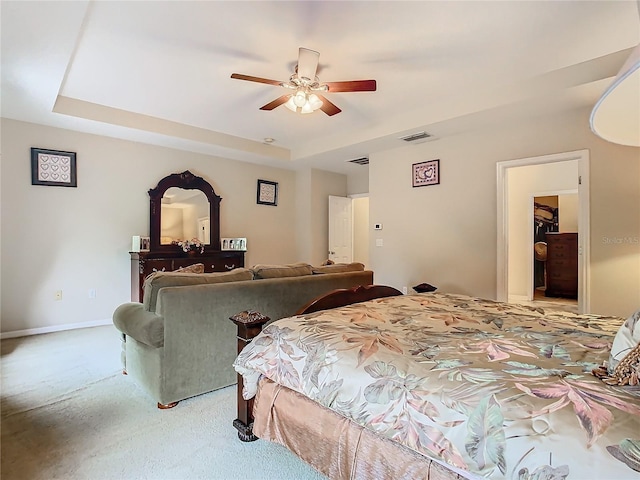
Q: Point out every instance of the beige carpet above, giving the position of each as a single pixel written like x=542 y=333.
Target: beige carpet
x=68 y=413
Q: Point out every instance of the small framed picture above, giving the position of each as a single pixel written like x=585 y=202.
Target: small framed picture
x=426 y=173
x=140 y=244
x=267 y=192
x=53 y=168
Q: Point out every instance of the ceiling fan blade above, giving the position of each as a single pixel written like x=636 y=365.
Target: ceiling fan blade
x=276 y=103
x=352 y=86
x=328 y=107
x=307 y=63
x=249 y=78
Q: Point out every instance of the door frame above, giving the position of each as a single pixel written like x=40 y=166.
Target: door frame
x=584 y=229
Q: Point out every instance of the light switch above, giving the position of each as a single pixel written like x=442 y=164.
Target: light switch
x=379 y=242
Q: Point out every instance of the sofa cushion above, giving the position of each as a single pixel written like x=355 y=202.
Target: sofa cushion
x=195 y=268
x=177 y=279
x=279 y=271
x=340 y=268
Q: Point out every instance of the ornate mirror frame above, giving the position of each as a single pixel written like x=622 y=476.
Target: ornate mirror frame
x=188 y=181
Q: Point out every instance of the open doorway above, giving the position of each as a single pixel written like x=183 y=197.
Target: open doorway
x=555 y=249
x=518 y=182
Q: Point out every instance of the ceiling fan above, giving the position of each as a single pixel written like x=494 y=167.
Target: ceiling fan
x=307 y=89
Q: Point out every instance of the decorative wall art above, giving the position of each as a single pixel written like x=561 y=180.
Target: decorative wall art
x=426 y=173
x=267 y=192
x=53 y=168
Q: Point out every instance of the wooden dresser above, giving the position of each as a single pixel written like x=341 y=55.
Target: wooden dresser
x=562 y=265
x=167 y=257
x=145 y=263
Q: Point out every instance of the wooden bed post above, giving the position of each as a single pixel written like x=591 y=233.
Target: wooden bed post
x=249 y=325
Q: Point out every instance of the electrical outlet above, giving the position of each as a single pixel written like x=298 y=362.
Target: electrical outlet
x=379 y=242
x=404 y=290
x=58 y=295
x=93 y=293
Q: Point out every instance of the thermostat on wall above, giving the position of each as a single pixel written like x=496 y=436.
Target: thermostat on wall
x=377 y=226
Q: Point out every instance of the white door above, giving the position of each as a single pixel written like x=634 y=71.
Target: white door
x=340 y=229
x=204 y=230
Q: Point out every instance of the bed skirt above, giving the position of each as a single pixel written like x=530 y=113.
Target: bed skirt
x=332 y=444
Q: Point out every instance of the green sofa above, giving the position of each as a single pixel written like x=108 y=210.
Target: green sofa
x=180 y=343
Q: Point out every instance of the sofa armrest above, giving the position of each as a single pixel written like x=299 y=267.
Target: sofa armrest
x=145 y=327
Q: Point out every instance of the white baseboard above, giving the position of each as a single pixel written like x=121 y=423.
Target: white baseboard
x=55 y=328
x=518 y=298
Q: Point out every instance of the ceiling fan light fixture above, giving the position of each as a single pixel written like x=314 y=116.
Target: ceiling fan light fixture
x=290 y=104
x=312 y=104
x=315 y=102
x=301 y=102
x=300 y=98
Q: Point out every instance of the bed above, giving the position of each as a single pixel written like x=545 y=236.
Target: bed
x=439 y=386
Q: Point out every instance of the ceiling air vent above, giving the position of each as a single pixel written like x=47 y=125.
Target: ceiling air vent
x=360 y=161
x=415 y=136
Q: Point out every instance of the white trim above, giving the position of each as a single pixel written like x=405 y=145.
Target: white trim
x=55 y=328
x=358 y=195
x=584 y=229
x=518 y=298
x=584 y=235
x=530 y=268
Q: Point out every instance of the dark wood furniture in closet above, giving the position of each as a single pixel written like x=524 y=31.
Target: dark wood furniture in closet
x=169 y=257
x=145 y=263
x=562 y=265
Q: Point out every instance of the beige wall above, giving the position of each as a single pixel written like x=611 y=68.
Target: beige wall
x=568 y=213
x=313 y=189
x=323 y=184
x=446 y=234
x=76 y=239
x=358 y=181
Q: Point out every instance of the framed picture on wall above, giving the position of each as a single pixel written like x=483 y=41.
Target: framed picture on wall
x=53 y=168
x=267 y=192
x=426 y=173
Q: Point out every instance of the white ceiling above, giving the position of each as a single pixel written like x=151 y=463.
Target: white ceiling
x=159 y=72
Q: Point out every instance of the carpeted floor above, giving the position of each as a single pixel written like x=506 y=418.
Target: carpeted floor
x=68 y=413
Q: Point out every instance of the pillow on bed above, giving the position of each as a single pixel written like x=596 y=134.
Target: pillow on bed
x=278 y=271
x=340 y=268
x=627 y=338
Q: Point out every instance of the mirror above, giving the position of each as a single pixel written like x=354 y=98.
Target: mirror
x=184 y=214
x=183 y=206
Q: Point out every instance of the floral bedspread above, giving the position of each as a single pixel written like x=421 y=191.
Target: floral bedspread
x=497 y=390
